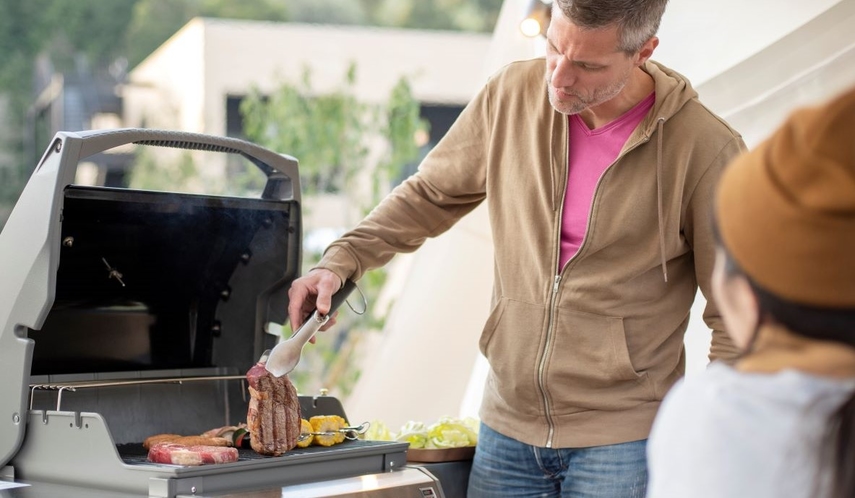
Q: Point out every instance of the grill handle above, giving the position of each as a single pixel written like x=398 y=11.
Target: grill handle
x=283 y=179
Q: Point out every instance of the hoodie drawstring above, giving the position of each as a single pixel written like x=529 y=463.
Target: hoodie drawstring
x=553 y=181
x=554 y=185
x=660 y=124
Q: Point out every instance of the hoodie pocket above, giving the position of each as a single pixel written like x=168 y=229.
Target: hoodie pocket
x=490 y=326
x=589 y=364
x=512 y=341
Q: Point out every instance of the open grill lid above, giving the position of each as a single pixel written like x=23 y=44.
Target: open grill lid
x=109 y=280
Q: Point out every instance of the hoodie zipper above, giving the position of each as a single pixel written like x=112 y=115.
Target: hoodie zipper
x=556 y=282
x=541 y=381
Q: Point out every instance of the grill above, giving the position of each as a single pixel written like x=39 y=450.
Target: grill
x=128 y=313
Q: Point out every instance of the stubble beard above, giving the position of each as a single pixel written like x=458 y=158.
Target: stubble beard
x=597 y=97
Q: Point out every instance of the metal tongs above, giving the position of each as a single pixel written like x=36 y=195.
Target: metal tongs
x=282 y=359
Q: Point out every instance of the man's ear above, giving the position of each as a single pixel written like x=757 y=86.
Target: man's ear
x=646 y=51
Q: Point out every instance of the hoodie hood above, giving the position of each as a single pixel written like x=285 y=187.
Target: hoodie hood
x=673 y=91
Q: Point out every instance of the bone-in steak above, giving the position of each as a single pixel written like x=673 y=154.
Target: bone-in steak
x=274 y=414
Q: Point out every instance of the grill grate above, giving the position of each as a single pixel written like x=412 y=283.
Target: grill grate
x=135 y=454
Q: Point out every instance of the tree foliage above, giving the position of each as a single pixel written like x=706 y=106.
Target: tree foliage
x=93 y=28
x=150 y=172
x=331 y=134
x=400 y=126
x=65 y=30
x=324 y=132
x=336 y=137
x=462 y=15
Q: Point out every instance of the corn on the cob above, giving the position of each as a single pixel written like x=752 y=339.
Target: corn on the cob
x=306 y=436
x=330 y=424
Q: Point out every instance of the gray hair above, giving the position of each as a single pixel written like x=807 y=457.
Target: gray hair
x=637 y=20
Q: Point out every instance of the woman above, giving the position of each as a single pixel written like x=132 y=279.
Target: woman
x=780 y=422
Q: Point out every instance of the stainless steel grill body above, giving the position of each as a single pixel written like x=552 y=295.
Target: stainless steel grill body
x=129 y=313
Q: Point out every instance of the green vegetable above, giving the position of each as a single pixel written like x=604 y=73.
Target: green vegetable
x=450 y=432
x=378 y=431
x=447 y=432
x=414 y=433
x=238 y=437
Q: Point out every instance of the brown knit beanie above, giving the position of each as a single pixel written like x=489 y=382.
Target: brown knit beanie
x=786 y=210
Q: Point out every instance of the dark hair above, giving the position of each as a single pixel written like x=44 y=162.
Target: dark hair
x=820 y=323
x=824 y=324
x=637 y=20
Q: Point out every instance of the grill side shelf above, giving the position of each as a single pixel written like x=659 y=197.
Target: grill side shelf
x=136 y=454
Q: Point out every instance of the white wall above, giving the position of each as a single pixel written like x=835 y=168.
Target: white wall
x=807 y=54
x=166 y=90
x=806 y=65
x=702 y=39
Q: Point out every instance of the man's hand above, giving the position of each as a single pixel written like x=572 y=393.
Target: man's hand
x=312 y=291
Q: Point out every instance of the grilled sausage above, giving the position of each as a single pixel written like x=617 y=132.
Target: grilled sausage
x=202 y=441
x=159 y=438
x=185 y=440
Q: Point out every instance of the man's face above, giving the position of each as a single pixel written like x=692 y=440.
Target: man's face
x=584 y=68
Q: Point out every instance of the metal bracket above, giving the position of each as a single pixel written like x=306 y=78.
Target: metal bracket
x=7 y=473
x=159 y=487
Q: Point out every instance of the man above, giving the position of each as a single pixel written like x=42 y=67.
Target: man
x=599 y=183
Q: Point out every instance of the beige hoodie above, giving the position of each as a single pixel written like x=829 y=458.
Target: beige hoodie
x=580 y=357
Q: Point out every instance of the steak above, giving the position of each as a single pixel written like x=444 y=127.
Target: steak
x=274 y=413
x=179 y=454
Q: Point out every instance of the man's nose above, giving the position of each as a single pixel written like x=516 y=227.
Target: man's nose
x=563 y=74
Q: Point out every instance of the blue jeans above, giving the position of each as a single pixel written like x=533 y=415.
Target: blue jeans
x=505 y=467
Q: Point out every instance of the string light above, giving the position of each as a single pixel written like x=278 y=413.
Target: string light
x=537 y=18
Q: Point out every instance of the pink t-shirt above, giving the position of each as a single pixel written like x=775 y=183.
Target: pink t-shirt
x=590 y=153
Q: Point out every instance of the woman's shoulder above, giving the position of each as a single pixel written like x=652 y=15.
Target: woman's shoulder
x=722 y=398
x=695 y=401
x=715 y=425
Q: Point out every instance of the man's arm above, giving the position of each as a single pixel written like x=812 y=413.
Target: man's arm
x=704 y=246
x=450 y=183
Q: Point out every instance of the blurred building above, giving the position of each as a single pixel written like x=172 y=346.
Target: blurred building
x=196 y=80
x=75 y=99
